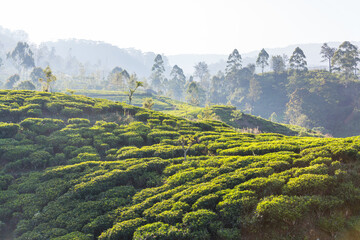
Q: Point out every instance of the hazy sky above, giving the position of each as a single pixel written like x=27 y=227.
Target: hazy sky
x=186 y=26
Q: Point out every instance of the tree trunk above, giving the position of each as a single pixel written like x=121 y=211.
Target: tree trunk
x=185 y=154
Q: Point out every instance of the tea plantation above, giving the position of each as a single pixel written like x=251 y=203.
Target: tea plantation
x=185 y=110
x=74 y=167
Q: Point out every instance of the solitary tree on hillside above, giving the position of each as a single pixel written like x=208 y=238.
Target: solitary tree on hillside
x=262 y=60
x=186 y=143
x=277 y=64
x=49 y=78
x=346 y=58
x=327 y=53
x=234 y=63
x=132 y=90
x=297 y=60
x=157 y=75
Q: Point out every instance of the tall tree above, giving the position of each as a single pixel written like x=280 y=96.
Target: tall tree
x=177 y=82
x=327 y=53
x=277 y=64
x=234 y=63
x=233 y=67
x=346 y=58
x=254 y=92
x=297 y=60
x=262 y=60
x=218 y=93
x=22 y=56
x=157 y=75
x=201 y=71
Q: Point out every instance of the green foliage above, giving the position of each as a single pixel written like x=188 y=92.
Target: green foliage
x=122 y=230
x=71 y=112
x=309 y=184
x=200 y=219
x=42 y=125
x=102 y=177
x=8 y=130
x=281 y=209
x=158 y=230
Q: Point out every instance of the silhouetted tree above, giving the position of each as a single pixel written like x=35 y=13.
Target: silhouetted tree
x=297 y=60
x=262 y=60
x=346 y=58
x=177 y=82
x=22 y=56
x=277 y=64
x=327 y=53
x=234 y=63
x=157 y=75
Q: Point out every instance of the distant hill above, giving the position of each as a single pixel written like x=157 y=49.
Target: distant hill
x=217 y=62
x=105 y=56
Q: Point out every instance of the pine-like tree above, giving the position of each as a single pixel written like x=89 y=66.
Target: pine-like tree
x=327 y=53
x=177 y=82
x=234 y=63
x=298 y=60
x=346 y=58
x=262 y=60
x=157 y=75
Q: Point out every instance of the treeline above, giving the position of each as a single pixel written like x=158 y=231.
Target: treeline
x=319 y=99
x=290 y=93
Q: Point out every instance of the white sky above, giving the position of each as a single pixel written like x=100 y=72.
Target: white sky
x=186 y=26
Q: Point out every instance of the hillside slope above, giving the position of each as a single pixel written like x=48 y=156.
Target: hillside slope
x=118 y=172
x=184 y=110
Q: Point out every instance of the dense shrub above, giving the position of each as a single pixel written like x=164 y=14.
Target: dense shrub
x=200 y=219
x=281 y=209
x=8 y=130
x=309 y=184
x=71 y=112
x=42 y=125
x=122 y=230
x=159 y=230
